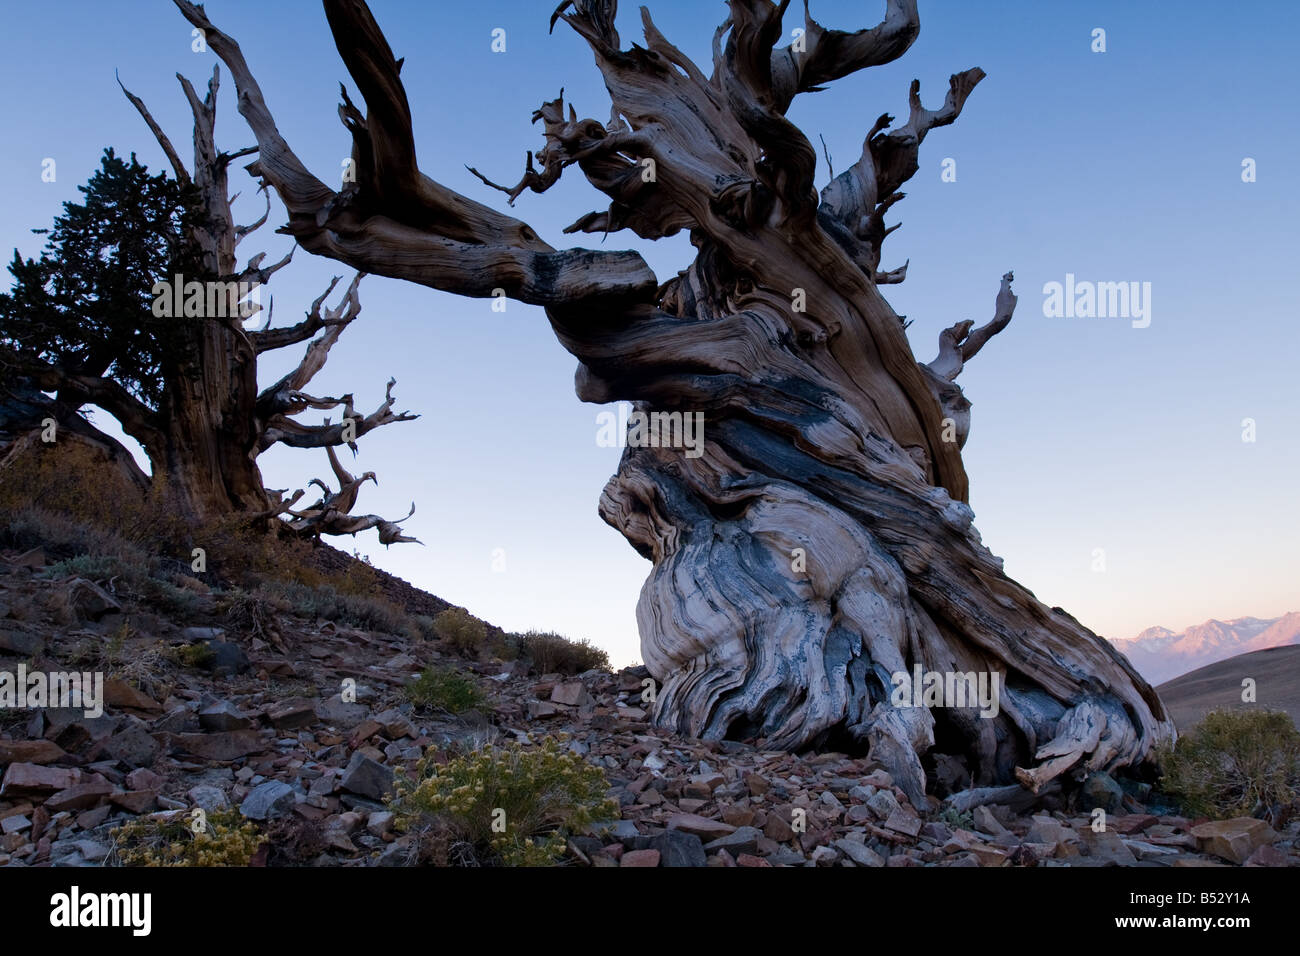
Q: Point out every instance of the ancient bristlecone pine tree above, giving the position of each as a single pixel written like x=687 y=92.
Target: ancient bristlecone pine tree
x=204 y=433
x=822 y=431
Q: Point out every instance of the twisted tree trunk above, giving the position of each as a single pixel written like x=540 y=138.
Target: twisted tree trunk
x=821 y=543
x=211 y=423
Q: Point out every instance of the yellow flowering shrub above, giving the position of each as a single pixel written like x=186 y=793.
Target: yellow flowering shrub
x=511 y=805
x=222 y=838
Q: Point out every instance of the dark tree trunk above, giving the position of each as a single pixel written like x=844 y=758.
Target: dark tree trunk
x=212 y=421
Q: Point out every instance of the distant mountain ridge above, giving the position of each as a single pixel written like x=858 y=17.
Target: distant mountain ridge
x=1160 y=654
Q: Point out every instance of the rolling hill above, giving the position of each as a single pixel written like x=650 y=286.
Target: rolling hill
x=1275 y=670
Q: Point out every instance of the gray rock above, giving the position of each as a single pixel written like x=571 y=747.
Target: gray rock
x=860 y=853
x=91 y=851
x=335 y=711
x=859 y=813
x=210 y=799
x=20 y=642
x=1149 y=851
x=1106 y=848
x=133 y=745
x=744 y=840
x=71 y=729
x=175 y=721
x=366 y=777
x=617 y=829
x=786 y=856
x=89 y=600
x=227 y=659
x=824 y=856
x=192 y=634
x=223 y=715
x=271 y=799
x=830 y=800
x=1101 y=790
x=986 y=822
x=678 y=848
x=883 y=804
x=401 y=852
x=1047 y=829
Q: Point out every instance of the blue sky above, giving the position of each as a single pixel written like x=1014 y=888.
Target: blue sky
x=1087 y=433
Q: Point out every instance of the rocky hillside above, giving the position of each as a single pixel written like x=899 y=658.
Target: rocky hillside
x=210 y=709
x=1160 y=654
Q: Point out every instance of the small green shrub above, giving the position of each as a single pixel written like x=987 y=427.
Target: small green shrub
x=323 y=602
x=223 y=838
x=957 y=819
x=1233 y=763
x=96 y=567
x=443 y=688
x=197 y=656
x=176 y=602
x=136 y=576
x=504 y=805
x=554 y=654
x=461 y=630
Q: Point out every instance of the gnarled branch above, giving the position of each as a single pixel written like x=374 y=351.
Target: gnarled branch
x=958 y=345
x=296 y=435
x=828 y=55
x=394 y=220
x=331 y=514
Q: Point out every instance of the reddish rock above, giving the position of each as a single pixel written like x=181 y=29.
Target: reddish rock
x=292 y=714
x=29 y=779
x=877 y=778
x=749 y=860
x=90 y=819
x=1130 y=823
x=30 y=751
x=365 y=730
x=118 y=693
x=230 y=745
x=136 y=801
x=144 y=779
x=900 y=821
x=539 y=709
x=1233 y=840
x=1268 y=856
x=777 y=829
x=738 y=816
x=648 y=858
x=572 y=694
x=82 y=796
x=702 y=827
